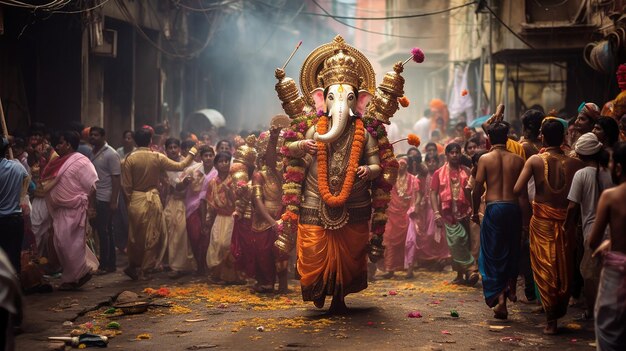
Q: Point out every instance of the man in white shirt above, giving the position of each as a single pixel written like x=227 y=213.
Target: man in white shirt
x=587 y=185
x=422 y=126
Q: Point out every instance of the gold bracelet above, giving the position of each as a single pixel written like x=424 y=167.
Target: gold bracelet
x=258 y=192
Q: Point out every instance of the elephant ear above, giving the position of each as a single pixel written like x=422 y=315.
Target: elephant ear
x=318 y=98
x=364 y=98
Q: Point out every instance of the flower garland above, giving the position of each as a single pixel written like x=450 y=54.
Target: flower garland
x=353 y=163
x=295 y=171
x=293 y=175
x=381 y=186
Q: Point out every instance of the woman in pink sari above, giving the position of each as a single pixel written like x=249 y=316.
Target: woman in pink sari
x=426 y=243
x=403 y=197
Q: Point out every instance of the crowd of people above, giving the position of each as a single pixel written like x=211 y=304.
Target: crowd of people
x=500 y=204
x=493 y=203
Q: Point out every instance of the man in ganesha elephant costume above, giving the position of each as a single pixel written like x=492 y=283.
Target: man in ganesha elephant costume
x=342 y=163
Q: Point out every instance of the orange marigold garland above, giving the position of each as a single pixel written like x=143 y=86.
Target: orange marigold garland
x=353 y=163
x=294 y=175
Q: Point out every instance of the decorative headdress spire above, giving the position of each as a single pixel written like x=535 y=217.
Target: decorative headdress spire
x=246 y=153
x=340 y=68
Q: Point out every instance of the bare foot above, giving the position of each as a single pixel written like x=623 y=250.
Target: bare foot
x=550 y=328
x=283 y=283
x=500 y=311
x=338 y=306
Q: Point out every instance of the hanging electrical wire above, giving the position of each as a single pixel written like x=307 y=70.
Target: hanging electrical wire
x=493 y=13
x=416 y=15
x=204 y=8
x=50 y=6
x=508 y=28
x=213 y=24
x=385 y=18
x=83 y=10
x=375 y=32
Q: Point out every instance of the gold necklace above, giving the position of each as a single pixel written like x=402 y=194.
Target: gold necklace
x=402 y=184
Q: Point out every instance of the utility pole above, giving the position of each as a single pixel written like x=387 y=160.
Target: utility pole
x=492 y=65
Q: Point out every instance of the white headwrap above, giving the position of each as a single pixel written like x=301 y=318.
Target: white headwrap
x=587 y=145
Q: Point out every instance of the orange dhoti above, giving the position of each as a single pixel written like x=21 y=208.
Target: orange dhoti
x=332 y=262
x=550 y=258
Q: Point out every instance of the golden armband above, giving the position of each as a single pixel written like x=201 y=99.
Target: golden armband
x=373 y=151
x=257 y=191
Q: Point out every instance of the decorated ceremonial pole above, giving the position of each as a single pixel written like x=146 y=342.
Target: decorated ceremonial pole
x=4 y=129
x=291 y=56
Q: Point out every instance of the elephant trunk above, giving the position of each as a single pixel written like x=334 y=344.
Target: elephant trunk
x=340 y=114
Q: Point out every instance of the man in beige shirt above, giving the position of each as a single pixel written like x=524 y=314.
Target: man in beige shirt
x=140 y=178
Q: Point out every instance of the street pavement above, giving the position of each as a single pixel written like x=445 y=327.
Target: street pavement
x=392 y=314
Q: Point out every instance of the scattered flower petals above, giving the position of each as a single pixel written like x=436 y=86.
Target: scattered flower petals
x=393 y=292
x=415 y=314
x=445 y=332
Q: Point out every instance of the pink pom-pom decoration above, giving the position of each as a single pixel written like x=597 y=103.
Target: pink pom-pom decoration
x=418 y=55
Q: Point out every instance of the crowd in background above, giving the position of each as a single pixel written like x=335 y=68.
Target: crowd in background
x=72 y=203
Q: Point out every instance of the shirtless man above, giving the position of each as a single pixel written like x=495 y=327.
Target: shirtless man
x=610 y=315
x=553 y=172
x=502 y=224
x=531 y=121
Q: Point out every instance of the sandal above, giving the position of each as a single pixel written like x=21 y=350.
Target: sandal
x=473 y=279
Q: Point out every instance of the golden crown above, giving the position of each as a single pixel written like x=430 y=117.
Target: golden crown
x=340 y=68
x=246 y=153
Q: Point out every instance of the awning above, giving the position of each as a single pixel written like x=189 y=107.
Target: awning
x=203 y=120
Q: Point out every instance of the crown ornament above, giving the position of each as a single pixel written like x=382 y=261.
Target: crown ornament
x=246 y=153
x=340 y=68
